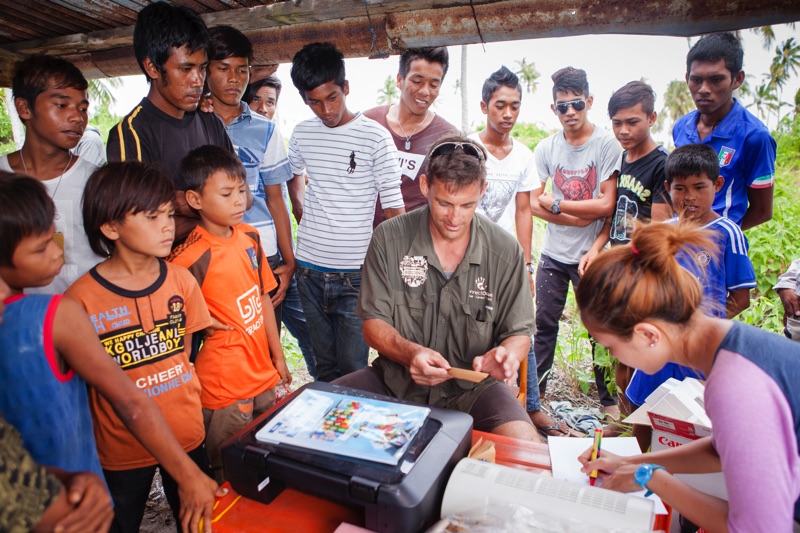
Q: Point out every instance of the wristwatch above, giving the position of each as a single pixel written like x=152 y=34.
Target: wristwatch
x=556 y=207
x=643 y=475
x=529 y=268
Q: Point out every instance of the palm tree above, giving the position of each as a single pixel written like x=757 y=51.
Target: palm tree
x=388 y=93
x=767 y=35
x=101 y=92
x=765 y=100
x=785 y=63
x=529 y=75
x=677 y=100
x=463 y=89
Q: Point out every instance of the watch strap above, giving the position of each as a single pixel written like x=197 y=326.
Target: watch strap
x=644 y=474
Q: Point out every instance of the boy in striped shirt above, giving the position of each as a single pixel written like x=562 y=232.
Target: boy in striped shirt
x=350 y=161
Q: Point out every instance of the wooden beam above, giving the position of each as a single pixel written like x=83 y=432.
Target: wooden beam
x=280 y=29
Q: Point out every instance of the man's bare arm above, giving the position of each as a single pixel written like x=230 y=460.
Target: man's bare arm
x=759 y=209
x=297 y=193
x=548 y=216
x=427 y=367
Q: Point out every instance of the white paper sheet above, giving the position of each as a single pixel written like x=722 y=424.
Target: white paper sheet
x=564 y=452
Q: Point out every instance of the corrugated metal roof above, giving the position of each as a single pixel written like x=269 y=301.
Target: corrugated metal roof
x=97 y=34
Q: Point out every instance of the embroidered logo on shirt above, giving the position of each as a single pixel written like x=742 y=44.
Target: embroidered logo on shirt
x=703 y=258
x=352 y=167
x=725 y=156
x=480 y=291
x=251 y=252
x=175 y=304
x=414 y=270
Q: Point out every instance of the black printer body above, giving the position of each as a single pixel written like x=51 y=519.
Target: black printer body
x=395 y=498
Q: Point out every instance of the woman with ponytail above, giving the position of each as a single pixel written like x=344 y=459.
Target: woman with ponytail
x=646 y=309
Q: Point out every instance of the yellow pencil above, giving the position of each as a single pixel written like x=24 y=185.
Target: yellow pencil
x=598 y=437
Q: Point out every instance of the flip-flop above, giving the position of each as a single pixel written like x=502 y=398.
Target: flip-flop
x=554 y=431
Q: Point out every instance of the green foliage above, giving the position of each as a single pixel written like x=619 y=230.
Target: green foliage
x=789 y=146
x=574 y=352
x=5 y=124
x=291 y=351
x=104 y=120
x=529 y=134
x=389 y=92
x=764 y=312
x=774 y=244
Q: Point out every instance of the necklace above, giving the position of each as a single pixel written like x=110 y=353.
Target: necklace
x=407 y=144
x=24 y=166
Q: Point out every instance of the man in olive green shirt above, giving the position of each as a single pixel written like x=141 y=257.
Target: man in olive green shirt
x=443 y=288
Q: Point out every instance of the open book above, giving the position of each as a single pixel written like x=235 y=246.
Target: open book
x=363 y=428
x=474 y=484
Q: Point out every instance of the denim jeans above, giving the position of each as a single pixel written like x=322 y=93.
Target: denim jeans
x=532 y=402
x=295 y=321
x=552 y=285
x=290 y=312
x=329 y=304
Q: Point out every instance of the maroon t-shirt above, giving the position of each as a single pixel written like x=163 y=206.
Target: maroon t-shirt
x=412 y=162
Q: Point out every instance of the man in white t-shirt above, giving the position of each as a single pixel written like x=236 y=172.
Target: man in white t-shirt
x=510 y=177
x=350 y=161
x=580 y=160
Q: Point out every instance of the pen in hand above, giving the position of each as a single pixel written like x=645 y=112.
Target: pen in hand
x=598 y=436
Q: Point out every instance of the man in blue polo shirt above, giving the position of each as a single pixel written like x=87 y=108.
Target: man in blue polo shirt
x=745 y=147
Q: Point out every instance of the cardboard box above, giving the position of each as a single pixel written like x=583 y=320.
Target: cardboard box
x=677 y=414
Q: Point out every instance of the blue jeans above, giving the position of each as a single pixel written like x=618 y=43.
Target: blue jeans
x=290 y=312
x=295 y=321
x=329 y=304
x=532 y=402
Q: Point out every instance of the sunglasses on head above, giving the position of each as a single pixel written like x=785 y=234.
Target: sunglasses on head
x=448 y=148
x=577 y=105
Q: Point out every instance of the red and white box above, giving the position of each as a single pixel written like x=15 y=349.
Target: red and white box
x=677 y=414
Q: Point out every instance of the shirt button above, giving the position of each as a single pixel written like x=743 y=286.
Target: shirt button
x=442 y=321
x=447 y=288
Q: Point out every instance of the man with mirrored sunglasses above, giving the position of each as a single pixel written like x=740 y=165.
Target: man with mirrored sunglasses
x=579 y=160
x=443 y=288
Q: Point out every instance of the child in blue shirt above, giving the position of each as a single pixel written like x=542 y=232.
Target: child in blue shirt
x=49 y=352
x=726 y=274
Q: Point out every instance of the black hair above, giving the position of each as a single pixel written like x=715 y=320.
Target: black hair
x=117 y=190
x=36 y=74
x=437 y=54
x=692 y=160
x=630 y=94
x=503 y=77
x=202 y=162
x=161 y=28
x=457 y=169
x=25 y=209
x=716 y=46
x=227 y=41
x=570 y=80
x=316 y=64
x=269 y=81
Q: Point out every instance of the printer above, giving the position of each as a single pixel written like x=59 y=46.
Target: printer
x=388 y=457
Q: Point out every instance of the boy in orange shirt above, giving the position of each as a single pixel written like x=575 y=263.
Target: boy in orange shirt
x=240 y=364
x=144 y=310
